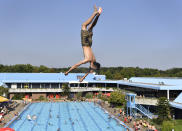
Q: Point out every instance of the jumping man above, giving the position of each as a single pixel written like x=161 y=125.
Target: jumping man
x=86 y=40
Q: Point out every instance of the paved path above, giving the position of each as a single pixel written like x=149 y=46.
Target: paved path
x=10 y=115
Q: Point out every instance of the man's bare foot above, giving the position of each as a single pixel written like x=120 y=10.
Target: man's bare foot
x=100 y=10
x=80 y=80
x=95 y=9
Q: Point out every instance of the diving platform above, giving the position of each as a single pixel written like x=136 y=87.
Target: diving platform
x=134 y=108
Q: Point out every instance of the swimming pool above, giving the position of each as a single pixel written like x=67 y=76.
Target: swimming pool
x=66 y=116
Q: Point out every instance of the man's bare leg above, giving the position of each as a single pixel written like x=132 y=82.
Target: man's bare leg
x=91 y=26
x=77 y=65
x=95 y=20
x=87 y=51
x=86 y=23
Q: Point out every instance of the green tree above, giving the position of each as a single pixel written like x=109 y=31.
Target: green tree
x=117 y=98
x=3 y=90
x=117 y=76
x=179 y=74
x=66 y=89
x=163 y=109
x=29 y=68
x=110 y=72
x=43 y=69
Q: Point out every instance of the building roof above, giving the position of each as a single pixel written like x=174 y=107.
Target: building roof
x=46 y=77
x=168 y=81
x=176 y=105
x=157 y=83
x=1 y=83
x=179 y=98
x=143 y=82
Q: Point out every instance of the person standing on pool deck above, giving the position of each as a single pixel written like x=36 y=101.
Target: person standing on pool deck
x=86 y=40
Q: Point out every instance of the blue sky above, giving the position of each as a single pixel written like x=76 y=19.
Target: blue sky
x=144 y=33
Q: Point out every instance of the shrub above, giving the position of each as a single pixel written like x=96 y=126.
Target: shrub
x=18 y=96
x=89 y=95
x=100 y=95
x=79 y=95
x=41 y=98
x=104 y=98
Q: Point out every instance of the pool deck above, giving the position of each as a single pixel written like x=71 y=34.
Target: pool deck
x=8 y=117
x=114 y=114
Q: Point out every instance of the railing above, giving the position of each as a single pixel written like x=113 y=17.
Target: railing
x=133 y=114
x=77 y=89
x=144 y=111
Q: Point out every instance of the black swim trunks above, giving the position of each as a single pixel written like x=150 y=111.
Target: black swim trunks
x=86 y=38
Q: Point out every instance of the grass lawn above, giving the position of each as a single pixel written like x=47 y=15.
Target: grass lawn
x=178 y=125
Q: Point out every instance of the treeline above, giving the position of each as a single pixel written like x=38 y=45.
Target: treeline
x=110 y=72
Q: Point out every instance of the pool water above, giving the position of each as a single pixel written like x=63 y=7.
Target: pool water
x=66 y=116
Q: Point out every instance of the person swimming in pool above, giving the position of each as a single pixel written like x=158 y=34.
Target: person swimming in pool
x=29 y=117
x=86 y=40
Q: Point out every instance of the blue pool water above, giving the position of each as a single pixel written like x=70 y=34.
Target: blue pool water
x=66 y=116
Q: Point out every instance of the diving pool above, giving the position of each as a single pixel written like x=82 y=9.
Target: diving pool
x=66 y=116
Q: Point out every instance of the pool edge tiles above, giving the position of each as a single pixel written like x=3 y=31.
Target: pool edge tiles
x=22 y=117
x=67 y=116
x=14 y=118
x=112 y=116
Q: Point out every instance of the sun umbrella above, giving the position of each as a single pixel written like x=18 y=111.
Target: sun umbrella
x=6 y=129
x=2 y=99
